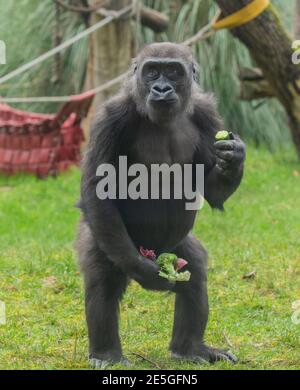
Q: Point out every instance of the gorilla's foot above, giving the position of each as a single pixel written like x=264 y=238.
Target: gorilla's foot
x=102 y=361
x=205 y=355
x=99 y=364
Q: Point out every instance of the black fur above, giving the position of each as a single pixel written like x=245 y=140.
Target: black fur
x=110 y=232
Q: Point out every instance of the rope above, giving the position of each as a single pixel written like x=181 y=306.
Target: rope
x=62 y=99
x=65 y=44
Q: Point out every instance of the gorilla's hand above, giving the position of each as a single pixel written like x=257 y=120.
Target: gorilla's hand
x=230 y=155
x=146 y=274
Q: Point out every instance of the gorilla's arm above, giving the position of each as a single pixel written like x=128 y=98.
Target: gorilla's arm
x=223 y=160
x=102 y=215
x=109 y=135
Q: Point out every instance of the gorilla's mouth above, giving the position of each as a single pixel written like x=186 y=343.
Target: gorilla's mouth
x=161 y=102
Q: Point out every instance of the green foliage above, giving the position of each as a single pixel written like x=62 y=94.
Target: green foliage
x=42 y=288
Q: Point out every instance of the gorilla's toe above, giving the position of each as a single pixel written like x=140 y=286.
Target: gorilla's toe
x=190 y=358
x=102 y=364
x=205 y=355
x=99 y=364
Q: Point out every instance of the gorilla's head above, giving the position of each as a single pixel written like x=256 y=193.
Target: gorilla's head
x=162 y=80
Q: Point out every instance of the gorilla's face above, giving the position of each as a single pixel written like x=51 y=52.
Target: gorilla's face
x=164 y=85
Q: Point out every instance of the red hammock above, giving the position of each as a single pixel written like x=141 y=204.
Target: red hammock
x=42 y=144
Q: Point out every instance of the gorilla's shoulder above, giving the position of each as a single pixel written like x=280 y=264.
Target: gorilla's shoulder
x=117 y=108
x=113 y=123
x=204 y=103
x=114 y=116
x=205 y=114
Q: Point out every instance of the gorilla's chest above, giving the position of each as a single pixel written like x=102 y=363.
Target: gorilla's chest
x=160 y=223
x=155 y=145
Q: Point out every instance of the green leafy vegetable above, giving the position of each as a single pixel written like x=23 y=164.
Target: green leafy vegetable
x=169 y=264
x=222 y=135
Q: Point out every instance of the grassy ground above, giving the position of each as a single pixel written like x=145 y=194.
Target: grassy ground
x=42 y=289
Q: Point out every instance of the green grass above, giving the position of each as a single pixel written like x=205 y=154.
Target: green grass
x=42 y=289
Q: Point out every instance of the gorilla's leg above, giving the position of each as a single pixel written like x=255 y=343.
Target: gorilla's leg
x=104 y=287
x=191 y=308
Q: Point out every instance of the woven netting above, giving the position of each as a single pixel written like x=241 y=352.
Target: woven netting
x=42 y=144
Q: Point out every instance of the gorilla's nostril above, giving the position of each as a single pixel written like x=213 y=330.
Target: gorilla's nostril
x=162 y=89
x=167 y=88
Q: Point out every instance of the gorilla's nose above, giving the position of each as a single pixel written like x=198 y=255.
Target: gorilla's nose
x=162 y=91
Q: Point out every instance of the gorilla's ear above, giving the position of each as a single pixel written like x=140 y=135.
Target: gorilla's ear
x=134 y=65
x=196 y=69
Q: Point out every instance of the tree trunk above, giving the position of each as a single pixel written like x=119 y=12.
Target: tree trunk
x=109 y=50
x=271 y=48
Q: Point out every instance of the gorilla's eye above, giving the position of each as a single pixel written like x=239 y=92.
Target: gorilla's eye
x=174 y=72
x=152 y=73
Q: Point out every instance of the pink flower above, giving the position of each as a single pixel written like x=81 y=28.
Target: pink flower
x=180 y=263
x=149 y=253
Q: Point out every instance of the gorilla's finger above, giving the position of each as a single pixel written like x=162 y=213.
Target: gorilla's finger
x=225 y=155
x=234 y=136
x=166 y=285
x=160 y=284
x=225 y=145
x=238 y=155
x=222 y=163
x=239 y=146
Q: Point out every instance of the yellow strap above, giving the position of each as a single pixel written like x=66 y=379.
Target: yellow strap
x=244 y=15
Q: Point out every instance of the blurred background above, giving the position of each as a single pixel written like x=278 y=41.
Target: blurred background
x=33 y=27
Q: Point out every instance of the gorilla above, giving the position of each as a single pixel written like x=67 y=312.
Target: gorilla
x=159 y=116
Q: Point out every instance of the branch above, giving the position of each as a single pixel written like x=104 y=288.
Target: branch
x=254 y=85
x=149 y=17
x=153 y=19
